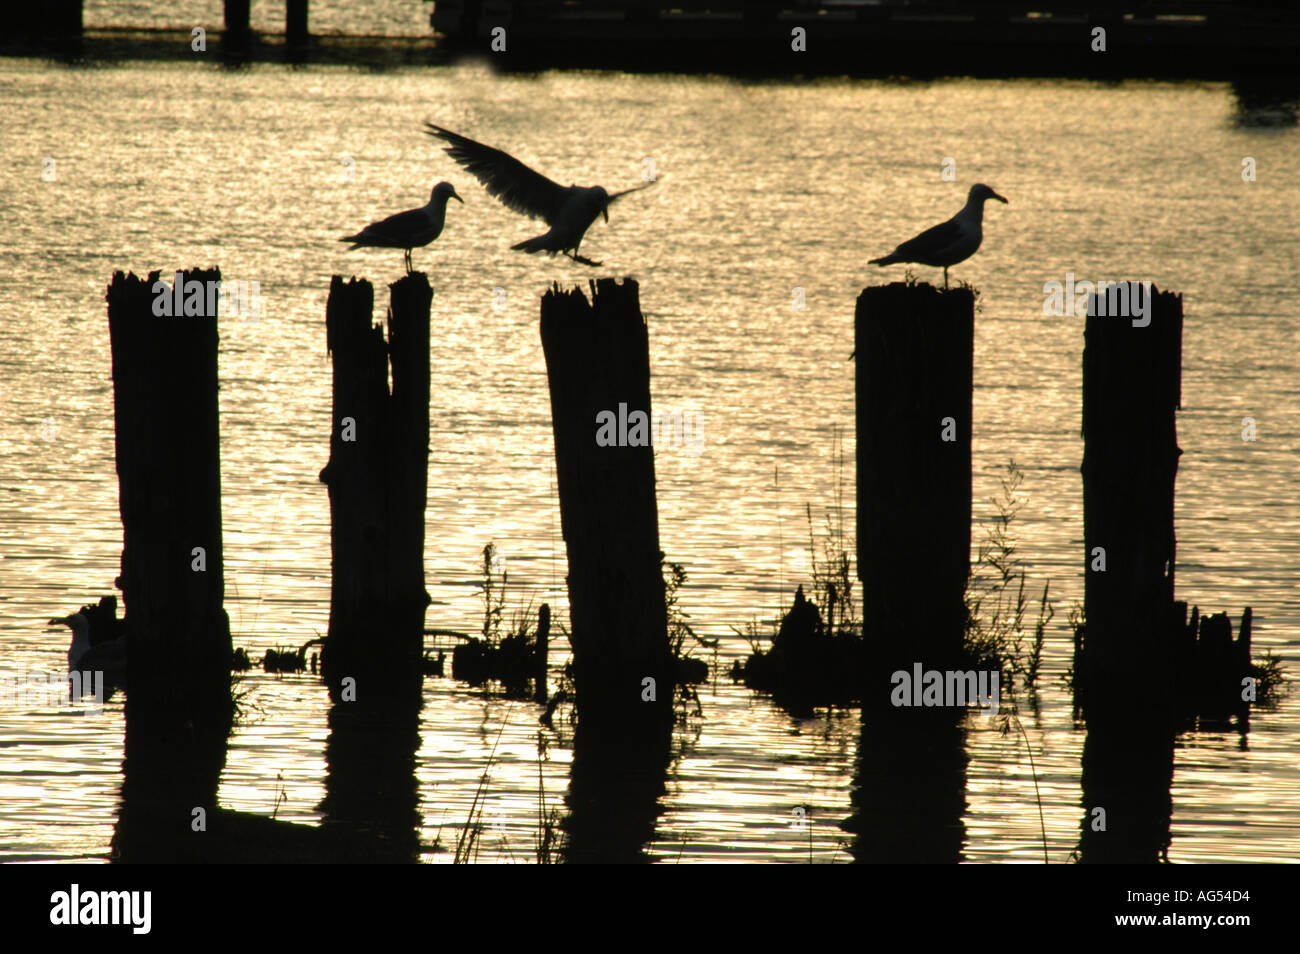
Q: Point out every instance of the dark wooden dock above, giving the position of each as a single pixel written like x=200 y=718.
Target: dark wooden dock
x=1176 y=38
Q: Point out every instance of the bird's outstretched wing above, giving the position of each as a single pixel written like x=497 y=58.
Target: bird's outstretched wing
x=505 y=177
x=644 y=185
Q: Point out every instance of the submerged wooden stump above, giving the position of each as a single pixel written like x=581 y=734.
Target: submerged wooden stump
x=598 y=367
x=378 y=481
x=915 y=357
x=179 y=708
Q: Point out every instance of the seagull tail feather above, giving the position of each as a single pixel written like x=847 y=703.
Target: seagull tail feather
x=882 y=261
x=532 y=245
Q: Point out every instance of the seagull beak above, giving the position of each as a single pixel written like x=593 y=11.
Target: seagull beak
x=462 y=201
x=56 y=623
x=999 y=198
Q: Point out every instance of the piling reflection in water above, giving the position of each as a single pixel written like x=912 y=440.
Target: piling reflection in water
x=371 y=787
x=615 y=784
x=909 y=787
x=1128 y=767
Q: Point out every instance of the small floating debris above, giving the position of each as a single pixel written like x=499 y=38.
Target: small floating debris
x=431 y=665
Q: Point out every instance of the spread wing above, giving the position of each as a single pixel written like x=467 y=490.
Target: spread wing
x=644 y=185
x=505 y=177
x=931 y=242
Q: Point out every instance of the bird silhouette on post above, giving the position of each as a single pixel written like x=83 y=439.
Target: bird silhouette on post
x=954 y=241
x=569 y=211
x=414 y=228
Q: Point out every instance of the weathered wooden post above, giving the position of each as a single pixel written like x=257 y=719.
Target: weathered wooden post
x=915 y=359
x=1132 y=373
x=64 y=24
x=377 y=477
x=598 y=367
x=179 y=708
x=378 y=481
x=295 y=25
x=1126 y=661
x=237 y=37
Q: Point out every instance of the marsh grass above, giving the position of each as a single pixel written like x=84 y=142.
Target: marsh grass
x=996 y=612
x=471 y=833
x=505 y=653
x=996 y=603
x=833 y=573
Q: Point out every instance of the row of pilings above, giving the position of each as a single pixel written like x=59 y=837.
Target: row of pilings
x=1142 y=672
x=180 y=706
x=915 y=352
x=59 y=26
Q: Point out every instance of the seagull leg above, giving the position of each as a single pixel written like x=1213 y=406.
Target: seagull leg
x=408 y=261
x=945 y=278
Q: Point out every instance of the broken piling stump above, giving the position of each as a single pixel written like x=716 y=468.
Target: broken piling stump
x=915 y=359
x=377 y=477
x=179 y=707
x=1132 y=387
x=598 y=368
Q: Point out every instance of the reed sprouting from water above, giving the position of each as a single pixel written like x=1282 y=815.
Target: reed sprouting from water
x=996 y=604
x=690 y=670
x=507 y=654
x=817 y=652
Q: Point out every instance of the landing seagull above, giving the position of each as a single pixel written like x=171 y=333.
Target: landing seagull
x=414 y=228
x=568 y=211
x=954 y=241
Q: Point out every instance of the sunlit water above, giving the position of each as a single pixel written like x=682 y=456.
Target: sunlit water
x=763 y=188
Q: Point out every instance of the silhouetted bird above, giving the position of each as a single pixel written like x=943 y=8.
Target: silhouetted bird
x=414 y=228
x=108 y=657
x=568 y=211
x=954 y=241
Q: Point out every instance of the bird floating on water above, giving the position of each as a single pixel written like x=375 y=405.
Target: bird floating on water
x=108 y=657
x=954 y=241
x=414 y=228
x=568 y=211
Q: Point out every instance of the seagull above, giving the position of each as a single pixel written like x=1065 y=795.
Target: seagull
x=954 y=241
x=568 y=211
x=108 y=657
x=414 y=228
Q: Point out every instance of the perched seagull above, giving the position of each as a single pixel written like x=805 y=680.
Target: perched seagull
x=107 y=657
x=568 y=211
x=954 y=241
x=414 y=228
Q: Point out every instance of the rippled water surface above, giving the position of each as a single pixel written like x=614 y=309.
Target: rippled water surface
x=763 y=188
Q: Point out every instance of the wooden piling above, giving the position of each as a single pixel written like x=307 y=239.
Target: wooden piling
x=598 y=368
x=64 y=24
x=1131 y=390
x=378 y=480
x=1134 y=637
x=915 y=359
x=237 y=38
x=295 y=25
x=179 y=708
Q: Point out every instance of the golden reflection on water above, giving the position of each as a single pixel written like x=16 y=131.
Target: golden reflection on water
x=764 y=188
